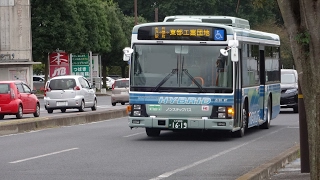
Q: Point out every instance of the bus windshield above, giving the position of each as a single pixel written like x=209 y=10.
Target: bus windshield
x=180 y=68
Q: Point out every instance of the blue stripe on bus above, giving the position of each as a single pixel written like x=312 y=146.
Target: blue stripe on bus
x=185 y=99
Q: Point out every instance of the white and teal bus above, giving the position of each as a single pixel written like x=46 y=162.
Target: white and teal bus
x=194 y=75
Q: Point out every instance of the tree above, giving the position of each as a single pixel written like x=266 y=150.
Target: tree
x=55 y=24
x=118 y=39
x=302 y=23
x=97 y=35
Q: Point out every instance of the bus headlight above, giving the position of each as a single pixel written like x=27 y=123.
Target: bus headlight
x=221 y=112
x=137 y=106
x=225 y=112
x=136 y=113
x=137 y=110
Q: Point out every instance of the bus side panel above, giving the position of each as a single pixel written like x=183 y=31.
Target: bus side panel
x=273 y=90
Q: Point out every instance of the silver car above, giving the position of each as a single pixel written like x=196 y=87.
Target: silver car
x=120 y=91
x=69 y=92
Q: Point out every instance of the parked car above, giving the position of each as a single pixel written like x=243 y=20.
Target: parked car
x=120 y=91
x=115 y=77
x=16 y=98
x=37 y=78
x=109 y=82
x=289 y=89
x=69 y=92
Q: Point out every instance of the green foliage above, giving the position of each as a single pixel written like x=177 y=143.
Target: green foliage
x=303 y=38
x=94 y=20
x=38 y=69
x=55 y=24
x=118 y=37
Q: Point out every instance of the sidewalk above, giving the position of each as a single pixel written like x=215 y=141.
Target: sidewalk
x=291 y=171
x=285 y=166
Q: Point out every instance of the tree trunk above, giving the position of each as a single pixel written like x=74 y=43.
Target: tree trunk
x=301 y=19
x=104 y=72
x=46 y=67
x=123 y=71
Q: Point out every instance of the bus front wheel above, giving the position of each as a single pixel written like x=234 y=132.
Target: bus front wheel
x=244 y=123
x=152 y=132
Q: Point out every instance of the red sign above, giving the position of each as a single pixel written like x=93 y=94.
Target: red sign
x=59 y=64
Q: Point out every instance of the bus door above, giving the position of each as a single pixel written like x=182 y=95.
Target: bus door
x=237 y=91
x=262 y=78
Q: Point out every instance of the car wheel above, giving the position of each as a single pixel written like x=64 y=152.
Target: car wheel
x=114 y=104
x=94 y=107
x=296 y=109
x=266 y=124
x=123 y=103
x=19 y=115
x=63 y=110
x=1 y=116
x=49 y=111
x=152 y=132
x=82 y=105
x=37 y=112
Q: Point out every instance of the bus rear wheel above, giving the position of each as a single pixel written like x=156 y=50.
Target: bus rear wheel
x=152 y=132
x=266 y=124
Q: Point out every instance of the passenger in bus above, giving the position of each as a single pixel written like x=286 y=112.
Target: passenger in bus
x=220 y=64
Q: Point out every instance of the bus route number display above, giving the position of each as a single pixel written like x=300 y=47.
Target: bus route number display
x=191 y=33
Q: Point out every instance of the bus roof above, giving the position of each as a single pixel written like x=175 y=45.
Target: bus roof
x=226 y=20
x=242 y=34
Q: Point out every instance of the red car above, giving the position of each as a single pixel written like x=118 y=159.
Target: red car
x=16 y=98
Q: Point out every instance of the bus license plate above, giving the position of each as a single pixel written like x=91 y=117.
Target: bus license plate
x=178 y=124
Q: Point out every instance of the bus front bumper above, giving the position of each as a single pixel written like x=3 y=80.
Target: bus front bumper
x=191 y=123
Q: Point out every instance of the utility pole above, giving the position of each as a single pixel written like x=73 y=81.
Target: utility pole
x=156 y=15
x=304 y=144
x=135 y=12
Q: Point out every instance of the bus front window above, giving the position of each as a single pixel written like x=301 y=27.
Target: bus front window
x=191 y=69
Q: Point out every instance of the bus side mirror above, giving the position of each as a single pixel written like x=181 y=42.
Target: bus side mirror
x=232 y=47
x=127 y=51
x=234 y=55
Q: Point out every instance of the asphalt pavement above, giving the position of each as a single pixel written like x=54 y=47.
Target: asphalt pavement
x=286 y=166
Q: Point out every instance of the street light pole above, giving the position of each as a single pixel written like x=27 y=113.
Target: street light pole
x=135 y=13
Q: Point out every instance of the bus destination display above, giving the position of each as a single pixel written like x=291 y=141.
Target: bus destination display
x=191 y=33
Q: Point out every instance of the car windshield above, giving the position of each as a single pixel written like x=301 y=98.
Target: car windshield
x=180 y=68
x=288 y=78
x=62 y=84
x=4 y=89
x=121 y=83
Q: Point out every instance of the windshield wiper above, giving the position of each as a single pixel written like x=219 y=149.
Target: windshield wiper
x=191 y=77
x=164 y=80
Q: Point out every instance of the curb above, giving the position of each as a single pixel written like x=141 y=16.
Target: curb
x=265 y=171
x=32 y=124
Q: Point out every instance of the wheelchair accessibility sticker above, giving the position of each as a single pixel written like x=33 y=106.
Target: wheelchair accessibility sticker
x=219 y=35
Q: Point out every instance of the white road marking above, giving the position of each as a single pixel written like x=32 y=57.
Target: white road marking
x=134 y=134
x=44 y=155
x=169 y=173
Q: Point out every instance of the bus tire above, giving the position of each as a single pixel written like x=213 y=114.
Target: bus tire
x=244 y=123
x=152 y=132
x=266 y=124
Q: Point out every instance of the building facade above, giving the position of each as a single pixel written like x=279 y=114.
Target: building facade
x=16 y=41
